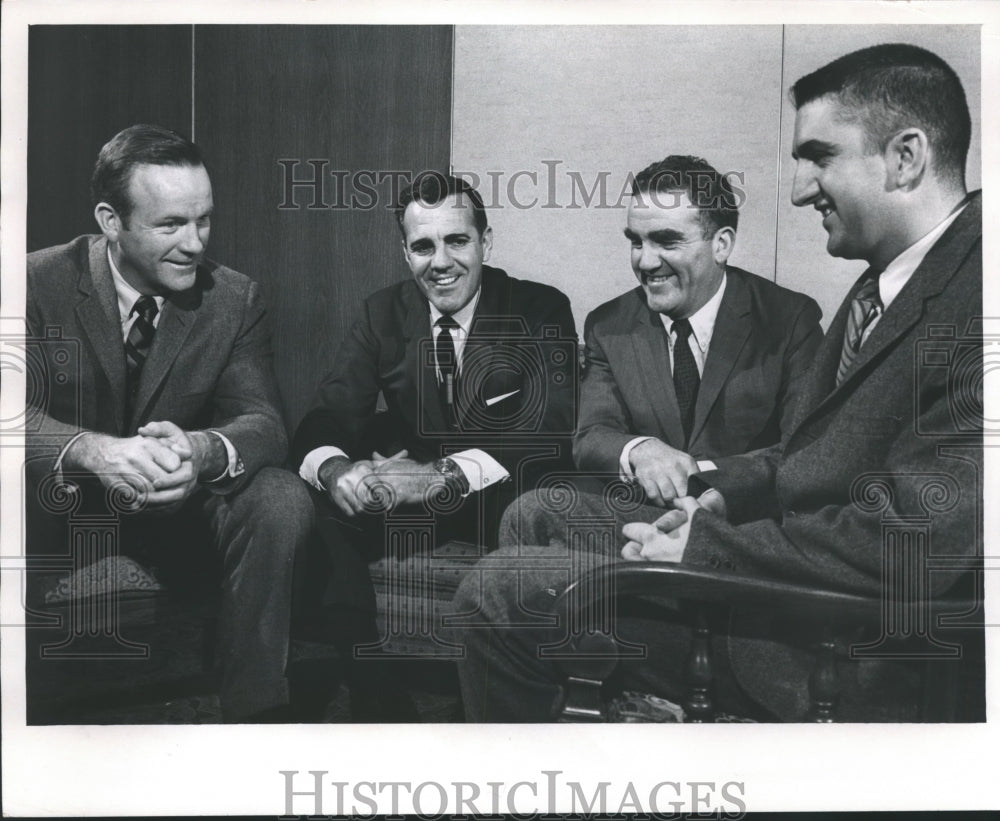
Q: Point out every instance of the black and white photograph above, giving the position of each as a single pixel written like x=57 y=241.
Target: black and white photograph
x=413 y=409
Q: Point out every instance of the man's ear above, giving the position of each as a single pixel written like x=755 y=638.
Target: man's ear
x=722 y=244
x=907 y=158
x=487 y=241
x=109 y=221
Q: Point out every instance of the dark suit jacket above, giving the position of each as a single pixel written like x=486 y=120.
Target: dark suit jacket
x=522 y=342
x=764 y=340
x=899 y=440
x=209 y=366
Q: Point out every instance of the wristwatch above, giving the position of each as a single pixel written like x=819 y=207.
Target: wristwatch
x=453 y=475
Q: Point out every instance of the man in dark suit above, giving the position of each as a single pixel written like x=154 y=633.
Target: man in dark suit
x=702 y=360
x=169 y=417
x=477 y=371
x=880 y=433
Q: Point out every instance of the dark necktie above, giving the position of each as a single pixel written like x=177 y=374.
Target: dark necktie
x=686 y=379
x=447 y=363
x=865 y=307
x=137 y=344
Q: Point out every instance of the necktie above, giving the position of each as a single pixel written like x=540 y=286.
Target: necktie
x=137 y=344
x=865 y=306
x=447 y=363
x=686 y=378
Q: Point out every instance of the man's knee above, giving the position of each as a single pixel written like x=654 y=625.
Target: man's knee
x=276 y=497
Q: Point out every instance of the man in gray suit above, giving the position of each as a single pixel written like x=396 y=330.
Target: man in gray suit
x=701 y=360
x=881 y=137
x=169 y=421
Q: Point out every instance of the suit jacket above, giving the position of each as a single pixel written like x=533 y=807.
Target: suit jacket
x=209 y=367
x=899 y=441
x=764 y=340
x=516 y=395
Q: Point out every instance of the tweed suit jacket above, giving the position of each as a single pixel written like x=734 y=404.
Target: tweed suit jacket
x=898 y=441
x=763 y=342
x=209 y=367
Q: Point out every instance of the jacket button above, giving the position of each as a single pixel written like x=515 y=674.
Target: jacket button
x=713 y=563
x=728 y=565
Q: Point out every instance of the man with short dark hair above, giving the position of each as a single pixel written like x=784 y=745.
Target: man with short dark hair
x=880 y=434
x=173 y=405
x=477 y=371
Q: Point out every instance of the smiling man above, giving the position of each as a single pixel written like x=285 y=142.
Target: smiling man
x=477 y=371
x=887 y=433
x=172 y=401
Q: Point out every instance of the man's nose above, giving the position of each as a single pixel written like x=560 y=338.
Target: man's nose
x=804 y=186
x=193 y=238
x=442 y=259
x=649 y=260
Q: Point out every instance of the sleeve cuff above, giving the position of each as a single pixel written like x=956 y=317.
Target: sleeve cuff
x=481 y=469
x=625 y=469
x=309 y=469
x=234 y=466
x=706 y=464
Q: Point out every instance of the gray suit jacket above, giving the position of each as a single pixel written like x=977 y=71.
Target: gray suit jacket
x=764 y=340
x=898 y=444
x=210 y=364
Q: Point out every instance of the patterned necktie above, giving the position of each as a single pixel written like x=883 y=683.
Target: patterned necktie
x=447 y=363
x=137 y=344
x=686 y=378
x=865 y=307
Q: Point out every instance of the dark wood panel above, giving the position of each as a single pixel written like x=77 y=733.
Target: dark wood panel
x=350 y=98
x=86 y=83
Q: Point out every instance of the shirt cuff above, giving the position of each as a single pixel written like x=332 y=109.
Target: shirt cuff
x=706 y=464
x=234 y=466
x=626 y=473
x=57 y=467
x=309 y=469
x=481 y=469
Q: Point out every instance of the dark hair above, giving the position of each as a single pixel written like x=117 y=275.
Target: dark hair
x=133 y=146
x=708 y=190
x=893 y=86
x=432 y=187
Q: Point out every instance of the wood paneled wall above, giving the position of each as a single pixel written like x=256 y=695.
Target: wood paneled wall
x=351 y=98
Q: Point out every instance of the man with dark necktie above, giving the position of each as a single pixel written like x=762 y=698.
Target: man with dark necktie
x=171 y=403
x=476 y=372
x=701 y=360
x=880 y=144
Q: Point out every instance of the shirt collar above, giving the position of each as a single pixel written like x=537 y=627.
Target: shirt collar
x=703 y=320
x=127 y=295
x=898 y=272
x=463 y=317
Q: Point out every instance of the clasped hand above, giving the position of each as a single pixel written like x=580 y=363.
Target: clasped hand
x=378 y=484
x=161 y=463
x=665 y=540
x=661 y=471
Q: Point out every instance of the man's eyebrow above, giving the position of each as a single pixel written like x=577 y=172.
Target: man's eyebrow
x=665 y=235
x=458 y=235
x=630 y=234
x=813 y=148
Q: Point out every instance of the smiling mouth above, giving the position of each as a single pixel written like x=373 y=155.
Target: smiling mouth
x=824 y=209
x=444 y=282
x=657 y=279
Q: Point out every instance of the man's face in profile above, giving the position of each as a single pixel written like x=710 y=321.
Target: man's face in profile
x=445 y=251
x=158 y=247
x=838 y=174
x=679 y=269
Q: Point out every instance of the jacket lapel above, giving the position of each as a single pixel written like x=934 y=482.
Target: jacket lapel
x=652 y=356
x=930 y=278
x=418 y=345
x=732 y=329
x=99 y=318
x=172 y=330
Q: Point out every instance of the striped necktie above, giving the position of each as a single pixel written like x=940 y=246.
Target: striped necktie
x=447 y=363
x=865 y=307
x=137 y=345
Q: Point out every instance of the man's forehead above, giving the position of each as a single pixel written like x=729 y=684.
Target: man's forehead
x=672 y=208
x=454 y=213
x=151 y=181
